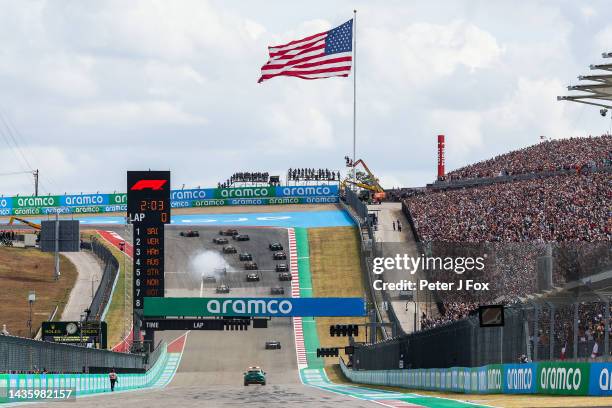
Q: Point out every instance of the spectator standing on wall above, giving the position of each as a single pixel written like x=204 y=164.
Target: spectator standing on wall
x=112 y=376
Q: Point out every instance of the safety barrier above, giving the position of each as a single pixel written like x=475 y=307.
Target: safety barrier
x=26 y=355
x=551 y=378
x=206 y=197
x=84 y=384
x=111 y=269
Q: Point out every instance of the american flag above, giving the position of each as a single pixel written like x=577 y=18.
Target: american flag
x=322 y=55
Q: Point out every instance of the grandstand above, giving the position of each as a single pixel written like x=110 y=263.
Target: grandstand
x=550 y=155
x=541 y=217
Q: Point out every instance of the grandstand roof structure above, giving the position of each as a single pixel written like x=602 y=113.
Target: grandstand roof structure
x=597 y=88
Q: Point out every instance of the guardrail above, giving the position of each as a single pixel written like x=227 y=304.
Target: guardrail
x=111 y=269
x=19 y=354
x=86 y=384
x=548 y=378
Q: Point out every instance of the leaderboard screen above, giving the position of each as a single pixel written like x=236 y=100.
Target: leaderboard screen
x=148 y=205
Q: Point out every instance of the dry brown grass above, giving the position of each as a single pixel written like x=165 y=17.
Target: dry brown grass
x=25 y=269
x=336 y=272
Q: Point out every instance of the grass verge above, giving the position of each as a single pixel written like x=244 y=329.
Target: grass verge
x=336 y=272
x=26 y=269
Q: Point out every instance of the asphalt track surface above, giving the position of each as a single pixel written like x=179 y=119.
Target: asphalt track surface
x=211 y=369
x=305 y=219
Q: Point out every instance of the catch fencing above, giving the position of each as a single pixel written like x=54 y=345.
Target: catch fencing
x=22 y=355
x=554 y=329
x=371 y=249
x=105 y=288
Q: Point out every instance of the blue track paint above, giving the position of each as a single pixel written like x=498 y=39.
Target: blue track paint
x=305 y=219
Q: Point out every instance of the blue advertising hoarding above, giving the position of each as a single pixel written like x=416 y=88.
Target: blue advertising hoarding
x=257 y=307
x=600 y=379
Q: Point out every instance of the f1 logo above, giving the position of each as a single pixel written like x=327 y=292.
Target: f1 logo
x=155 y=185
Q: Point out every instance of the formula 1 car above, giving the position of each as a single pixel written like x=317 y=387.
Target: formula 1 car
x=189 y=234
x=254 y=375
x=209 y=279
x=229 y=249
x=251 y=266
x=284 y=276
x=279 y=255
x=220 y=241
x=241 y=237
x=223 y=289
x=277 y=290
x=252 y=277
x=273 y=345
x=230 y=232
x=275 y=246
x=245 y=256
x=283 y=267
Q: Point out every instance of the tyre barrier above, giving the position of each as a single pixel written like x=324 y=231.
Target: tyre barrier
x=546 y=378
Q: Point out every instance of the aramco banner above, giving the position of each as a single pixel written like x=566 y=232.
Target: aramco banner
x=204 y=197
x=256 y=307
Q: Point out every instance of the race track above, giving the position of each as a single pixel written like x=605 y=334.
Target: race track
x=210 y=372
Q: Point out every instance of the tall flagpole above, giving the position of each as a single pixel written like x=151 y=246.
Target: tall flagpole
x=354 y=90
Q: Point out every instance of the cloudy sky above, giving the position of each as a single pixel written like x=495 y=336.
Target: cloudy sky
x=89 y=90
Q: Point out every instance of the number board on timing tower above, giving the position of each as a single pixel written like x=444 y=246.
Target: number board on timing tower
x=148 y=208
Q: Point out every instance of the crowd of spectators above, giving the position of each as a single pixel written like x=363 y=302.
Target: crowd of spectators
x=571 y=207
x=549 y=155
x=306 y=174
x=571 y=211
x=245 y=177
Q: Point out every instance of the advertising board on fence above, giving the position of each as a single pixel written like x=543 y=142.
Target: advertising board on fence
x=205 y=197
x=546 y=378
x=563 y=378
x=519 y=378
x=600 y=379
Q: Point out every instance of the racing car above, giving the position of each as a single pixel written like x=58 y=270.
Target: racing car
x=223 y=289
x=241 y=237
x=229 y=232
x=273 y=345
x=251 y=266
x=220 y=241
x=209 y=279
x=229 y=249
x=284 y=276
x=252 y=277
x=277 y=290
x=279 y=255
x=245 y=256
x=254 y=375
x=283 y=267
x=275 y=246
x=190 y=233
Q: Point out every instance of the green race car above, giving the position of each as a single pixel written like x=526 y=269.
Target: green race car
x=254 y=375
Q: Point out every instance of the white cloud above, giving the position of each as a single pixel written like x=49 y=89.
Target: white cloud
x=424 y=52
x=84 y=79
x=135 y=114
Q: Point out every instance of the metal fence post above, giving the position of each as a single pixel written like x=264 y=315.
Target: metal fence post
x=575 y=339
x=536 y=332
x=552 y=332
x=607 y=328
